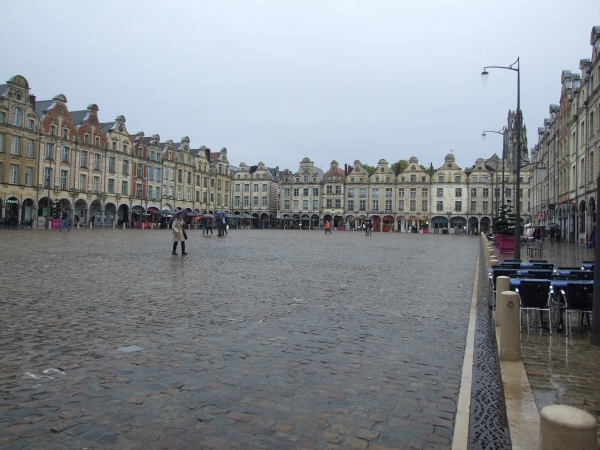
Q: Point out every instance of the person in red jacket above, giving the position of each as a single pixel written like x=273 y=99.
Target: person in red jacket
x=327 y=227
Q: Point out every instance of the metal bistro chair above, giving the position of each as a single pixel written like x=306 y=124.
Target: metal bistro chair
x=512 y=261
x=510 y=265
x=578 y=298
x=583 y=274
x=568 y=268
x=538 y=260
x=545 y=266
x=498 y=272
x=539 y=274
x=536 y=295
x=558 y=276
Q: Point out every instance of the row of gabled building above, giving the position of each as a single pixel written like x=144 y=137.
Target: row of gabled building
x=53 y=157
x=563 y=188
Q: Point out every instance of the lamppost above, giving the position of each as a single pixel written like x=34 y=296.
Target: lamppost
x=503 y=133
x=484 y=77
x=492 y=173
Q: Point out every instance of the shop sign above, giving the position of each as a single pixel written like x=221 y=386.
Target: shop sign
x=12 y=201
x=541 y=216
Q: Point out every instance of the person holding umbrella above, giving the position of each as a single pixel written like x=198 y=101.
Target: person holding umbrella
x=178 y=233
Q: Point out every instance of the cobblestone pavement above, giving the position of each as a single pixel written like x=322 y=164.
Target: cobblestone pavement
x=562 y=368
x=263 y=339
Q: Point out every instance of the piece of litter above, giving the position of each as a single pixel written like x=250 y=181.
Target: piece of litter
x=130 y=348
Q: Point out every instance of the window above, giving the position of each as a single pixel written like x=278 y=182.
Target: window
x=306 y=178
x=15 y=146
x=400 y=205
x=237 y=187
x=362 y=205
x=362 y=193
x=485 y=193
x=158 y=156
x=286 y=204
x=388 y=205
x=98 y=141
x=140 y=170
x=328 y=203
x=457 y=178
x=474 y=179
x=47 y=177
x=254 y=201
x=375 y=205
x=151 y=173
x=329 y=190
x=179 y=194
x=458 y=206
x=521 y=193
x=86 y=138
x=441 y=178
x=473 y=205
x=1 y=142
x=96 y=185
x=264 y=201
x=440 y=192
x=388 y=192
x=305 y=205
x=413 y=205
x=439 y=206
x=424 y=192
x=295 y=204
x=84 y=159
x=473 y=192
x=124 y=148
x=485 y=206
x=2 y=117
x=413 y=178
x=296 y=192
x=350 y=205
x=413 y=192
x=28 y=176
x=305 y=192
x=52 y=130
x=125 y=167
x=49 y=150
x=315 y=205
x=158 y=174
x=350 y=192
x=188 y=195
x=111 y=164
x=375 y=192
x=497 y=192
x=30 y=148
x=236 y=200
x=111 y=186
x=17 y=118
x=65 y=133
x=338 y=190
x=226 y=186
x=458 y=192
x=124 y=188
x=64 y=176
x=96 y=161
x=484 y=179
x=157 y=193
x=138 y=191
x=179 y=175
x=315 y=192
x=401 y=192
x=254 y=187
x=424 y=205
x=14 y=174
x=264 y=187
x=82 y=182
x=508 y=192
x=246 y=187
x=65 y=154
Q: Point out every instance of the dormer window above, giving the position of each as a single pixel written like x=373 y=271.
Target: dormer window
x=114 y=145
x=52 y=130
x=86 y=138
x=124 y=148
x=17 y=119
x=441 y=179
x=98 y=141
x=65 y=133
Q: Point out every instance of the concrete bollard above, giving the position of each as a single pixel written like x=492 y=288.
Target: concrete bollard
x=502 y=284
x=77 y=225
x=493 y=262
x=510 y=328
x=567 y=428
x=114 y=224
x=123 y=225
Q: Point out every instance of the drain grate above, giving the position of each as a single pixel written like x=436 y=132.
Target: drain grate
x=488 y=424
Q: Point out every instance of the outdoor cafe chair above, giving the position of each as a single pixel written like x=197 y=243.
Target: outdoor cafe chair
x=545 y=266
x=535 y=295
x=498 y=272
x=578 y=298
x=510 y=265
x=568 y=268
x=538 y=260
x=540 y=274
x=583 y=274
x=513 y=261
x=558 y=276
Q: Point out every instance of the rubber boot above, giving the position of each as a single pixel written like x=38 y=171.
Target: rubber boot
x=175 y=248
x=183 y=248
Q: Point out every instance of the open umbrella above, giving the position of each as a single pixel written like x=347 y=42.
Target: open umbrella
x=221 y=211
x=208 y=216
x=553 y=225
x=184 y=212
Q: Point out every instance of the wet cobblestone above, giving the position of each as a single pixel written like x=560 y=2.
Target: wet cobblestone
x=262 y=339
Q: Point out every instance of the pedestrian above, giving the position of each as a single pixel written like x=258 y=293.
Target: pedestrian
x=557 y=235
x=76 y=220
x=209 y=226
x=92 y=219
x=552 y=235
x=592 y=242
x=65 y=220
x=178 y=234
x=327 y=227
x=224 y=225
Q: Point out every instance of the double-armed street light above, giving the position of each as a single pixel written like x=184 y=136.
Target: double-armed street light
x=503 y=132
x=484 y=77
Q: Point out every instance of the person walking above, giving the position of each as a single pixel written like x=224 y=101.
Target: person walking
x=92 y=219
x=65 y=220
x=552 y=235
x=327 y=227
x=557 y=235
x=209 y=226
x=178 y=234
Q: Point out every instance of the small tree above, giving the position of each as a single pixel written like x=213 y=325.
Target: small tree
x=504 y=224
x=55 y=210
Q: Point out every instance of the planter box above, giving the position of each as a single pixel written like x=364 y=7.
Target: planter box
x=143 y=225
x=55 y=223
x=506 y=244
x=425 y=230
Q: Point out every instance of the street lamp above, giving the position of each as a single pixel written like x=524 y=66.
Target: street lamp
x=492 y=173
x=483 y=136
x=484 y=77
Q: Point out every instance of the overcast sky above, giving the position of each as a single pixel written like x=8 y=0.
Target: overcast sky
x=277 y=81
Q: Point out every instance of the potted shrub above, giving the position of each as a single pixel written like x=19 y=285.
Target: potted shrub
x=504 y=230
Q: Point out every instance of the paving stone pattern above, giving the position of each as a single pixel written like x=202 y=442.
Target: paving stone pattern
x=263 y=339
